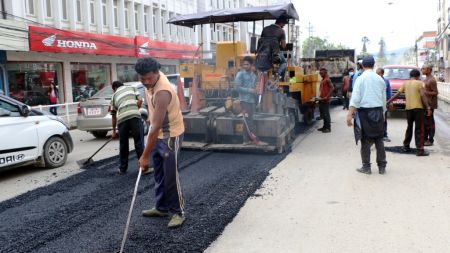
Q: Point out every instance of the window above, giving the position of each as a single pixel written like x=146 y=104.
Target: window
x=79 y=10
x=92 y=10
x=64 y=9
x=87 y=79
x=154 y=21
x=116 y=14
x=136 y=17
x=48 y=8
x=126 y=18
x=162 y=21
x=145 y=21
x=104 y=13
x=29 y=5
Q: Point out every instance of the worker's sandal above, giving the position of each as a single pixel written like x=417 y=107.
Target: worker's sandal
x=176 y=220
x=154 y=213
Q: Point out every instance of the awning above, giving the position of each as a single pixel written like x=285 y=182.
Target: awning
x=236 y=15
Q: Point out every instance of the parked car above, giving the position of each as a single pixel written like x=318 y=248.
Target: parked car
x=94 y=113
x=30 y=136
x=397 y=75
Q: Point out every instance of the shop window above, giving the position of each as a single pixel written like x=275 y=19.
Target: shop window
x=126 y=73
x=87 y=79
x=30 y=83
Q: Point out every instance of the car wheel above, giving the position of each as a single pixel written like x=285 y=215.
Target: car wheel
x=145 y=124
x=99 y=134
x=55 y=152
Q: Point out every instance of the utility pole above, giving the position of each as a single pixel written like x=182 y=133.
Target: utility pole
x=310 y=45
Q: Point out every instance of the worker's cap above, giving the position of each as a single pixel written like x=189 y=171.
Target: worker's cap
x=427 y=65
x=368 y=61
x=282 y=19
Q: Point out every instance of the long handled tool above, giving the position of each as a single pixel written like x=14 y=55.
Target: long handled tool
x=250 y=134
x=125 y=234
x=84 y=162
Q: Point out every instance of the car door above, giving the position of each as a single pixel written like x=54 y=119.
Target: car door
x=18 y=135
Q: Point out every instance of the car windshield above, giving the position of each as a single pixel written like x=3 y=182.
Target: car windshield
x=106 y=92
x=397 y=73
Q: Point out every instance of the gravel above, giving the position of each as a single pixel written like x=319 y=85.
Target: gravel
x=87 y=212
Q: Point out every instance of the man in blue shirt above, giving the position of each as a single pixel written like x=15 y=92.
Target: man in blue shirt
x=380 y=72
x=369 y=102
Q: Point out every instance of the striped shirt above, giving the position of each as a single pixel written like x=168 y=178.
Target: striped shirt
x=124 y=103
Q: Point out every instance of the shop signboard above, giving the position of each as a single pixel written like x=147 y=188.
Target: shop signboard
x=160 y=49
x=45 y=39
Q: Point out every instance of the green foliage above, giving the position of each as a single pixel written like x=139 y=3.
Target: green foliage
x=312 y=44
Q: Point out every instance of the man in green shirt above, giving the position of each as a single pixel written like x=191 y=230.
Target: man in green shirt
x=125 y=104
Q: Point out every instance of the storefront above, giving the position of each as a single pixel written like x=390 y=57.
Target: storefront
x=87 y=79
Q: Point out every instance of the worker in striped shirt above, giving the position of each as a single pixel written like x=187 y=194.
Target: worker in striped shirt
x=125 y=104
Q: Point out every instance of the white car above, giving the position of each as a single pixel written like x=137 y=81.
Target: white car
x=31 y=137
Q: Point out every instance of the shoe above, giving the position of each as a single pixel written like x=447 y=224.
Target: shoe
x=148 y=171
x=154 y=213
x=364 y=170
x=428 y=143
x=382 y=170
x=176 y=220
x=320 y=129
x=261 y=143
x=318 y=118
x=122 y=172
x=246 y=143
x=421 y=152
x=386 y=139
x=406 y=149
x=326 y=130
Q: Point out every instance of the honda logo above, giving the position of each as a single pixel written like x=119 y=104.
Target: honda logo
x=49 y=41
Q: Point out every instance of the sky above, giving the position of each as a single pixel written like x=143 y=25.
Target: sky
x=399 y=22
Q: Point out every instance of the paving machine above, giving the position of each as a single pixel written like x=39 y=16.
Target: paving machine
x=215 y=120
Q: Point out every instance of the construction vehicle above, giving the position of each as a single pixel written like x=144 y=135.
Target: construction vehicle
x=335 y=61
x=215 y=121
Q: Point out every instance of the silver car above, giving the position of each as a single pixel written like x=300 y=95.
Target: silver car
x=94 y=113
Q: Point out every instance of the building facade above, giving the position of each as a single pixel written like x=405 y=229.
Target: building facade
x=80 y=46
x=442 y=39
x=426 y=48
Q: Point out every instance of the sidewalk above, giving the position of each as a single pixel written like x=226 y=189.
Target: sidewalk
x=315 y=201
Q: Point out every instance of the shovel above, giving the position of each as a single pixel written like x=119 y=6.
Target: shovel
x=85 y=162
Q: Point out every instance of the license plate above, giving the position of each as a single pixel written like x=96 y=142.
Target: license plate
x=399 y=101
x=94 y=111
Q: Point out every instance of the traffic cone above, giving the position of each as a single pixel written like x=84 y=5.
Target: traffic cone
x=195 y=102
x=180 y=94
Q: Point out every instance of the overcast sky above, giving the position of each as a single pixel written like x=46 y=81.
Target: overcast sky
x=400 y=22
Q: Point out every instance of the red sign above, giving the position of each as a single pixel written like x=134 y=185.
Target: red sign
x=63 y=41
x=160 y=49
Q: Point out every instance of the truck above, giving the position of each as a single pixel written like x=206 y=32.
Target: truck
x=335 y=61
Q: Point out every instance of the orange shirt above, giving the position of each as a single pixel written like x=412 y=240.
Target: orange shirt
x=173 y=121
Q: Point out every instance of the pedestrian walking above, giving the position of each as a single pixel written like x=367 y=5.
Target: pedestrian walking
x=163 y=142
x=380 y=72
x=53 y=97
x=345 y=88
x=368 y=103
x=415 y=112
x=326 y=89
x=431 y=92
x=125 y=104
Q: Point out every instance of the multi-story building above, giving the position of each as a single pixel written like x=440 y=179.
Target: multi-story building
x=442 y=39
x=82 y=45
x=426 y=48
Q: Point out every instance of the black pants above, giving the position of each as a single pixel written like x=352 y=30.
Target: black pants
x=324 y=108
x=165 y=156
x=134 y=128
x=346 y=99
x=430 y=127
x=366 y=144
x=415 y=117
x=385 y=125
x=249 y=109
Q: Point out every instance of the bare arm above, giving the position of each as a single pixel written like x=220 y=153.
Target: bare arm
x=432 y=84
x=162 y=100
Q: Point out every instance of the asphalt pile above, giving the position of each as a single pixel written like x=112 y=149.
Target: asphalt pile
x=87 y=212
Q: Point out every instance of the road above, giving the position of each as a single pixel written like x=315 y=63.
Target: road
x=310 y=200
x=20 y=180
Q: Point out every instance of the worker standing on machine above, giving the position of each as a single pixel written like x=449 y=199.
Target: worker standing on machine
x=246 y=87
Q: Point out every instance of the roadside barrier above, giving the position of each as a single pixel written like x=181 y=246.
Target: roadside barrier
x=67 y=111
x=444 y=91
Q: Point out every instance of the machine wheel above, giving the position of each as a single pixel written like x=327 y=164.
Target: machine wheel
x=55 y=152
x=99 y=134
x=308 y=116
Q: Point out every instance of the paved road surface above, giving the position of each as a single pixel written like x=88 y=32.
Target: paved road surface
x=315 y=201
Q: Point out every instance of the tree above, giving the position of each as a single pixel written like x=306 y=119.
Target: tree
x=313 y=43
x=381 y=58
